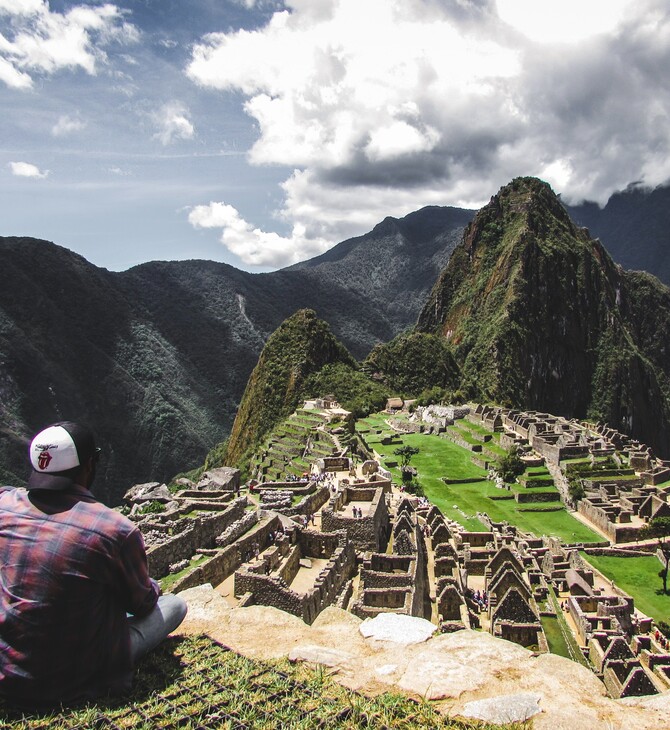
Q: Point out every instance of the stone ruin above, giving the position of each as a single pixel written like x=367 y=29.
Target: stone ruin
x=370 y=531
x=272 y=560
x=396 y=582
x=618 y=645
x=619 y=507
x=271 y=578
x=452 y=609
x=622 y=508
x=512 y=612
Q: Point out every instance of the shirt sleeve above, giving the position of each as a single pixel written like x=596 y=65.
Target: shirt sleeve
x=140 y=592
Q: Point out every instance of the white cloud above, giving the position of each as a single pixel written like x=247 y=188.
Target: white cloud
x=26 y=169
x=569 y=21
x=173 y=123
x=21 y=7
x=254 y=246
x=42 y=41
x=404 y=103
x=67 y=125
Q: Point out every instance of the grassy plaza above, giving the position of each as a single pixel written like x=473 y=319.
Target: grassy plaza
x=439 y=458
x=638 y=576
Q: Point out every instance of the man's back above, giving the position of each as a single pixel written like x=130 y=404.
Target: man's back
x=70 y=570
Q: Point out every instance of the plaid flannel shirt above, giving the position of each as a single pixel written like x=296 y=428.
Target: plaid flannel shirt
x=70 y=571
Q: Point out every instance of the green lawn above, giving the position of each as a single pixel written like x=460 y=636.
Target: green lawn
x=439 y=457
x=555 y=638
x=639 y=577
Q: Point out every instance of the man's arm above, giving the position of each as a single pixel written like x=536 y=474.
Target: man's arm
x=140 y=592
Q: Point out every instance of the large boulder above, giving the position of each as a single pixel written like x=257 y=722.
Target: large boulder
x=222 y=478
x=467 y=673
x=148 y=492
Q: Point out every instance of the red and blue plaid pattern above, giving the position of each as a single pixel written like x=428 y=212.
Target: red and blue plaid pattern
x=70 y=571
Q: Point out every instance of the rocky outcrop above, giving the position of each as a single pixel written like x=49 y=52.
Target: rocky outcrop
x=467 y=673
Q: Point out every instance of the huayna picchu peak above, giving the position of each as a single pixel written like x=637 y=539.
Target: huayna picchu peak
x=539 y=316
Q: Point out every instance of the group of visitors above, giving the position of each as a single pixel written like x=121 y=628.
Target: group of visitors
x=481 y=599
x=326 y=477
x=662 y=640
x=357 y=512
x=275 y=534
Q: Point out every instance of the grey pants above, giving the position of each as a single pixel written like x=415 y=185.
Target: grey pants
x=148 y=632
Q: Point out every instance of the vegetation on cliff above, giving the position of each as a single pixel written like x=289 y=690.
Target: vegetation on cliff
x=412 y=363
x=301 y=346
x=538 y=316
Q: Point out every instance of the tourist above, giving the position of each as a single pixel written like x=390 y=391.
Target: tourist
x=88 y=609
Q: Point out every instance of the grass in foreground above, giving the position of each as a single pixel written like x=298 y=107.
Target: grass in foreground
x=197 y=683
x=637 y=576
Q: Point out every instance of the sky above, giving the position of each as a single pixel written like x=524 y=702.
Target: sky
x=263 y=132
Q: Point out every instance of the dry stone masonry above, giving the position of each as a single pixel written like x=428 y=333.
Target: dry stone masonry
x=340 y=535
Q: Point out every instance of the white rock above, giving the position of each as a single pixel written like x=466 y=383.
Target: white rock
x=504 y=709
x=397 y=628
x=319 y=655
x=204 y=603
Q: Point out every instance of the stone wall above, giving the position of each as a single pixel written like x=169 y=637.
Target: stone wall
x=334 y=463
x=376 y=481
x=369 y=532
x=455 y=438
x=227 y=560
x=555 y=453
x=300 y=487
x=201 y=533
x=309 y=504
x=272 y=590
x=601 y=518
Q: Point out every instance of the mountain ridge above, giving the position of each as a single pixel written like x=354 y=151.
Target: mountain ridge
x=159 y=355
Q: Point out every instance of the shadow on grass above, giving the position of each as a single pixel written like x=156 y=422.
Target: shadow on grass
x=155 y=672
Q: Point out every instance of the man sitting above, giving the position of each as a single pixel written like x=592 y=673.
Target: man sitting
x=77 y=605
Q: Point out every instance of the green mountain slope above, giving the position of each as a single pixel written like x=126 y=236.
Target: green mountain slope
x=156 y=358
x=300 y=347
x=539 y=316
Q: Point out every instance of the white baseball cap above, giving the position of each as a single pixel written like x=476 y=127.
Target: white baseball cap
x=57 y=449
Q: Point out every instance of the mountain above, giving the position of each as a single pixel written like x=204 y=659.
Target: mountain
x=300 y=347
x=394 y=266
x=634 y=226
x=539 y=316
x=156 y=358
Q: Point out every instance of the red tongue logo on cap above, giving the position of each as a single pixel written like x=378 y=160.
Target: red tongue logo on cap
x=44 y=459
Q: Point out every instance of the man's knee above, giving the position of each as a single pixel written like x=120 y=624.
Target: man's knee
x=173 y=608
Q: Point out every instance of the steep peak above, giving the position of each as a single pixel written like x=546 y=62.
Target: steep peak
x=526 y=209
x=299 y=347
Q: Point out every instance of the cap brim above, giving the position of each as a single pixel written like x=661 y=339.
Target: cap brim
x=53 y=482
